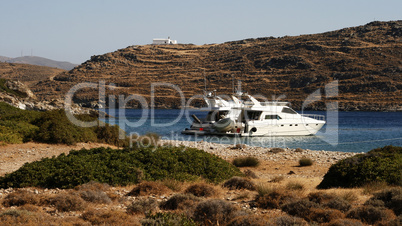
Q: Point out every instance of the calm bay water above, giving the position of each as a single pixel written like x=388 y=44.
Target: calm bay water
x=353 y=131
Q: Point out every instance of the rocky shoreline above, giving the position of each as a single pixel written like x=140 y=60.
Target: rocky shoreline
x=228 y=152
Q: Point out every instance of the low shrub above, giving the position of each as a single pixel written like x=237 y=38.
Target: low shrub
x=94 y=192
x=374 y=186
x=248 y=220
x=274 y=199
x=179 y=201
x=381 y=164
x=263 y=189
x=142 y=206
x=30 y=208
x=201 y=190
x=299 y=150
x=305 y=162
x=371 y=214
x=390 y=198
x=277 y=179
x=239 y=183
x=95 y=196
x=250 y=174
x=94 y=186
x=246 y=161
x=173 y=185
x=148 y=188
x=344 y=222
x=18 y=217
x=395 y=222
x=276 y=150
x=20 y=198
x=108 y=217
x=213 y=212
x=67 y=202
x=320 y=197
x=167 y=219
x=338 y=204
x=324 y=215
x=349 y=196
x=300 y=208
x=289 y=220
x=120 y=167
x=295 y=186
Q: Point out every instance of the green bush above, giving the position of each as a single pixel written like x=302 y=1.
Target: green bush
x=120 y=167
x=246 y=162
x=17 y=126
x=381 y=164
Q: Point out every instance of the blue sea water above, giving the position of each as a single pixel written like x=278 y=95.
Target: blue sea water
x=345 y=131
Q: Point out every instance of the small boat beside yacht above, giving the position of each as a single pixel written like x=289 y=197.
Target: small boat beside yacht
x=243 y=115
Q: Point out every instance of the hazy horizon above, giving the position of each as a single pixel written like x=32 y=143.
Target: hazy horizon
x=73 y=31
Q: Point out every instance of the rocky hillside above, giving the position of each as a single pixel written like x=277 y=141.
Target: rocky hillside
x=366 y=61
x=26 y=73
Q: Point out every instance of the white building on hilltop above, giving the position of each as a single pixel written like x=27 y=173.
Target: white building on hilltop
x=163 y=41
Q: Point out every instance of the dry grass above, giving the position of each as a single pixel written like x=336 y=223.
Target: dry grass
x=67 y=202
x=239 y=183
x=201 y=190
x=371 y=214
x=149 y=188
x=213 y=212
x=142 y=206
x=371 y=188
x=20 y=198
x=264 y=188
x=173 y=185
x=277 y=179
x=320 y=215
x=275 y=199
x=108 y=217
x=295 y=186
x=180 y=201
x=250 y=174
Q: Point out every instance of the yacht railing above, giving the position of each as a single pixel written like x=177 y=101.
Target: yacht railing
x=314 y=116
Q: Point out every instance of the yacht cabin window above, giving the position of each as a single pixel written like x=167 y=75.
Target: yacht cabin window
x=253 y=115
x=288 y=110
x=277 y=117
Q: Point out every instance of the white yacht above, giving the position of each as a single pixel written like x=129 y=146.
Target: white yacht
x=238 y=117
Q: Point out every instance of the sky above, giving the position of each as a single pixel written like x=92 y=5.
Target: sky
x=75 y=30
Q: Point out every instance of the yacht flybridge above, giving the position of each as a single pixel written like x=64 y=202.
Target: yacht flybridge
x=244 y=115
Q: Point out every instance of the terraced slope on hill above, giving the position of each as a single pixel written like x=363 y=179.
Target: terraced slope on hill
x=366 y=61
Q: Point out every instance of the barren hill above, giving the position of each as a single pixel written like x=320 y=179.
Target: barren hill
x=366 y=61
x=26 y=73
x=40 y=61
